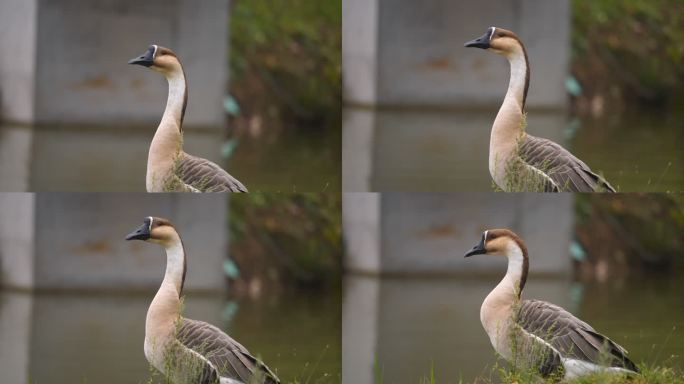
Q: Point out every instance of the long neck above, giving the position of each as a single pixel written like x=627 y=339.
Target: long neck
x=177 y=98
x=508 y=124
x=168 y=139
x=520 y=76
x=166 y=305
x=176 y=265
x=508 y=291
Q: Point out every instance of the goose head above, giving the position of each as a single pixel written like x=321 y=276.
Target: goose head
x=497 y=40
x=500 y=242
x=155 y=230
x=158 y=58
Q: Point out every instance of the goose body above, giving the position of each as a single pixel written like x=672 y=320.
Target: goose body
x=519 y=161
x=169 y=168
x=186 y=350
x=537 y=334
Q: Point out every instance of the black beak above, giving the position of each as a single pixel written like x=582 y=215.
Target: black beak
x=142 y=233
x=479 y=249
x=480 y=42
x=146 y=59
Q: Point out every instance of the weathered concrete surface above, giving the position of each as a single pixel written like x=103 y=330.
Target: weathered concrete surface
x=427 y=234
x=76 y=241
x=72 y=59
x=408 y=53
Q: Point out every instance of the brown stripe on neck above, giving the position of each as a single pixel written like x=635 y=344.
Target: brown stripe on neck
x=527 y=69
x=527 y=80
x=185 y=99
x=526 y=262
x=185 y=270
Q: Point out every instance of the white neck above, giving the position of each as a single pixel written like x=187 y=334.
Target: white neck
x=508 y=125
x=176 y=97
x=516 y=264
x=499 y=304
x=509 y=286
x=166 y=305
x=516 y=84
x=175 y=264
x=168 y=140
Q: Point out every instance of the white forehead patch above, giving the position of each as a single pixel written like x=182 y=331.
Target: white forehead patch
x=149 y=229
x=485 y=235
x=491 y=32
x=154 y=54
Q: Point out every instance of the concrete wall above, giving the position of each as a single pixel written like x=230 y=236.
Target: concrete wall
x=411 y=53
x=427 y=234
x=72 y=55
x=76 y=241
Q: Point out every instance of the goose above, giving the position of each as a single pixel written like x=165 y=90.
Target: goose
x=168 y=167
x=539 y=334
x=185 y=350
x=519 y=161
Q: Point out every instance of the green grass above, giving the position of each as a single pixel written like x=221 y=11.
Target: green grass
x=505 y=374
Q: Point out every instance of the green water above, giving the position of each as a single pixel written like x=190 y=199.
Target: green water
x=447 y=151
x=108 y=159
x=305 y=161
x=638 y=151
x=66 y=338
x=410 y=325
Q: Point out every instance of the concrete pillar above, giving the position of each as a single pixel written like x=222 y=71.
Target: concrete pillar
x=358 y=147
x=409 y=53
x=361 y=221
x=15 y=158
x=427 y=234
x=17 y=234
x=66 y=61
x=76 y=241
x=15 y=337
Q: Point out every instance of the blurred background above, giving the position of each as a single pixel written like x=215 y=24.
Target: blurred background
x=74 y=295
x=411 y=301
x=606 y=82
x=264 y=80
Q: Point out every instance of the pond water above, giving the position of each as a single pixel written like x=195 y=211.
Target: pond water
x=68 y=338
x=402 y=327
x=59 y=158
x=418 y=150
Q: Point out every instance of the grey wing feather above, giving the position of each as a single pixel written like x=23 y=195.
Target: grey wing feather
x=230 y=358
x=567 y=171
x=205 y=176
x=571 y=336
